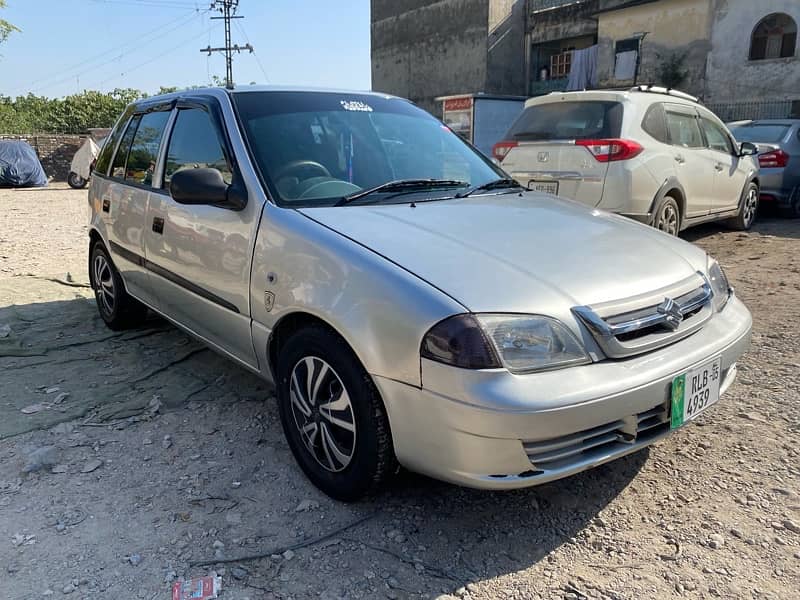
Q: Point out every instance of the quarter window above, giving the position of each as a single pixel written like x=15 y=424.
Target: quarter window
x=195 y=144
x=104 y=158
x=144 y=149
x=775 y=36
x=653 y=123
x=684 y=130
x=118 y=168
x=716 y=136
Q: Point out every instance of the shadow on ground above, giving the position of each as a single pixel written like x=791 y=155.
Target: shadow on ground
x=227 y=474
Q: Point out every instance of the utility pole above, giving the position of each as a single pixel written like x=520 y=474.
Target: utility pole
x=228 y=10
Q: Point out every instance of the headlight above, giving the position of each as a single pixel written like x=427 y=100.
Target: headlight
x=520 y=343
x=719 y=284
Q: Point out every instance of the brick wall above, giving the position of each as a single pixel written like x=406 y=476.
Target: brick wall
x=55 y=151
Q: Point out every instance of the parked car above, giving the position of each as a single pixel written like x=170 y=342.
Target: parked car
x=778 y=143
x=410 y=303
x=651 y=154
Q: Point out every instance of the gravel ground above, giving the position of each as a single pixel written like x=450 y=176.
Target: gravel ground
x=154 y=454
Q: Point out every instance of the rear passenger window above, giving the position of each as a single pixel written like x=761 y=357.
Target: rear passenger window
x=654 y=123
x=118 y=168
x=684 y=130
x=195 y=144
x=144 y=149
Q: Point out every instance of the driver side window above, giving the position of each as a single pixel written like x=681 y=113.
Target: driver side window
x=195 y=144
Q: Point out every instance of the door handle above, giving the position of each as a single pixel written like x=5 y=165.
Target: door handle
x=679 y=159
x=158 y=225
x=718 y=167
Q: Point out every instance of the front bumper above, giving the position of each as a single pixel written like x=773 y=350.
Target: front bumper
x=489 y=429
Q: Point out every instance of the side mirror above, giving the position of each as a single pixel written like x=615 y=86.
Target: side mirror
x=205 y=186
x=748 y=149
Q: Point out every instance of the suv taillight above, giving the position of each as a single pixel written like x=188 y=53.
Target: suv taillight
x=776 y=158
x=611 y=149
x=501 y=149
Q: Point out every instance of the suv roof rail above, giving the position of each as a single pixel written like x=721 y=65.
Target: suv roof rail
x=655 y=89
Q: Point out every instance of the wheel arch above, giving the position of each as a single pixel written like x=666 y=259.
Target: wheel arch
x=289 y=324
x=671 y=187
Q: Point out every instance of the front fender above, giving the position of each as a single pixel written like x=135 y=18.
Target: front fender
x=380 y=309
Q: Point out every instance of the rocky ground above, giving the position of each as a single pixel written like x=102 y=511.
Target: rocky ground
x=130 y=460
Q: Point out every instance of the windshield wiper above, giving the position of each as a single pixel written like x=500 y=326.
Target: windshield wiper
x=402 y=185
x=504 y=182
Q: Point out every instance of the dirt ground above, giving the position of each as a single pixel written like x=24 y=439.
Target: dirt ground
x=126 y=459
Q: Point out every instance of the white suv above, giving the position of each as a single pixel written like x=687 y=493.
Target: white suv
x=649 y=153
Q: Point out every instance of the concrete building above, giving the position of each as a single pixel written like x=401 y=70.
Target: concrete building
x=724 y=51
x=422 y=49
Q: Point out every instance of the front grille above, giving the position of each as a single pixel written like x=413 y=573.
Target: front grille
x=594 y=442
x=636 y=325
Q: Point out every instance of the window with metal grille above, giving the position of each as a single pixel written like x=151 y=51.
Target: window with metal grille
x=560 y=65
x=775 y=36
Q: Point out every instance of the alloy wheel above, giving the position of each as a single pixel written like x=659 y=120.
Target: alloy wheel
x=750 y=207
x=323 y=413
x=668 y=219
x=104 y=283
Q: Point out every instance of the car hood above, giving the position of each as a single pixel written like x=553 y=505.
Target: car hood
x=518 y=252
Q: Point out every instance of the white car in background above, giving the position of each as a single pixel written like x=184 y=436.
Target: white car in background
x=652 y=154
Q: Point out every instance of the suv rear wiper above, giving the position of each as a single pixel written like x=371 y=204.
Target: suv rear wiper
x=402 y=185
x=504 y=182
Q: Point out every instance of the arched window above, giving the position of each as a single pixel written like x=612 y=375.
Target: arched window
x=774 y=37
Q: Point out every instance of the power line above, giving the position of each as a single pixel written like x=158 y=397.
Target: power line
x=228 y=10
x=158 y=3
x=240 y=26
x=159 y=56
x=117 y=50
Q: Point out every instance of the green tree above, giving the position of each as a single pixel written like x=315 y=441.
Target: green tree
x=6 y=28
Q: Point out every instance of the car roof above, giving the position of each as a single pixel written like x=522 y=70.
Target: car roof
x=221 y=92
x=626 y=95
x=785 y=122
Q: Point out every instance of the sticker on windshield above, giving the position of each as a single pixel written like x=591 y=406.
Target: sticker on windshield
x=355 y=105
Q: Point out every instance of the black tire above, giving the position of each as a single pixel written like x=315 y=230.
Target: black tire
x=117 y=308
x=75 y=181
x=319 y=357
x=667 y=216
x=748 y=209
x=793 y=210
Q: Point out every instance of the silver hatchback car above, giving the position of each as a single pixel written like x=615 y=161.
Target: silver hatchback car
x=411 y=304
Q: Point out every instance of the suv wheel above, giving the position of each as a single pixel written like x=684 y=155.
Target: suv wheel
x=117 y=308
x=747 y=211
x=332 y=415
x=668 y=216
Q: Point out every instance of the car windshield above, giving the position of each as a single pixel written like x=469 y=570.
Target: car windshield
x=568 y=121
x=315 y=148
x=757 y=132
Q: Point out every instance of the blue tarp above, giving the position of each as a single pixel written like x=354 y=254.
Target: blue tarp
x=19 y=165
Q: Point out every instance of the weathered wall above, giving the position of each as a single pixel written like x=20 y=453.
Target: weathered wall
x=505 y=70
x=675 y=27
x=572 y=20
x=424 y=49
x=55 y=151
x=730 y=73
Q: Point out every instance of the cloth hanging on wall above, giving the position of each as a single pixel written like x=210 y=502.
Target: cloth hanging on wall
x=583 y=71
x=625 y=66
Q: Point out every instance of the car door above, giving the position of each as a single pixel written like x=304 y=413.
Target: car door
x=730 y=173
x=693 y=167
x=199 y=255
x=124 y=205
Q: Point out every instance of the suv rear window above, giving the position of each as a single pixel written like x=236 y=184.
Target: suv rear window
x=585 y=119
x=768 y=134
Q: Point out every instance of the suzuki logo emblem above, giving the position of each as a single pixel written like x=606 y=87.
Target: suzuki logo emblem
x=543 y=156
x=673 y=317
